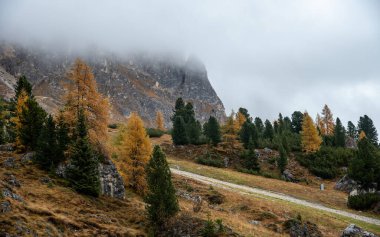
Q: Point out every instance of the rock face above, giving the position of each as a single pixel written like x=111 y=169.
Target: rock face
x=355 y=231
x=136 y=82
x=346 y=184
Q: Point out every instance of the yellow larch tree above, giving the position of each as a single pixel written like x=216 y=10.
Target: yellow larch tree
x=239 y=121
x=310 y=140
x=362 y=135
x=160 y=121
x=327 y=122
x=20 y=106
x=82 y=93
x=135 y=152
x=319 y=124
x=229 y=130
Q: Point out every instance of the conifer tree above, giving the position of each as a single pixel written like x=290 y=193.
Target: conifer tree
x=193 y=131
x=47 y=151
x=63 y=138
x=23 y=85
x=339 y=134
x=297 y=118
x=161 y=198
x=351 y=130
x=310 y=140
x=83 y=173
x=160 y=121
x=229 y=132
x=179 y=134
x=280 y=123
x=287 y=125
x=282 y=161
x=268 y=132
x=213 y=130
x=135 y=154
x=365 y=167
x=276 y=127
x=244 y=112
x=365 y=124
x=327 y=122
x=82 y=94
x=239 y=121
x=250 y=158
x=259 y=126
x=16 y=119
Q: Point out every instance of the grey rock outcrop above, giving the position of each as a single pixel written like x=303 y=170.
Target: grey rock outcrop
x=140 y=82
x=9 y=193
x=5 y=206
x=355 y=231
x=110 y=180
x=346 y=184
x=12 y=181
x=9 y=162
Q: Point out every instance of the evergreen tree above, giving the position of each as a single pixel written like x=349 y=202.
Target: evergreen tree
x=351 y=130
x=244 y=112
x=366 y=125
x=31 y=122
x=282 y=161
x=280 y=122
x=285 y=144
x=46 y=152
x=268 y=132
x=365 y=167
x=83 y=173
x=23 y=85
x=193 y=131
x=179 y=134
x=161 y=198
x=310 y=140
x=62 y=137
x=250 y=158
x=259 y=126
x=246 y=134
x=189 y=114
x=339 y=134
x=213 y=130
x=297 y=118
x=276 y=127
x=287 y=124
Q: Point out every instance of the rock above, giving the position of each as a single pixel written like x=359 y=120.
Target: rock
x=298 y=228
x=111 y=182
x=215 y=198
x=27 y=158
x=226 y=161
x=253 y=222
x=61 y=170
x=197 y=206
x=355 y=231
x=267 y=150
x=12 y=181
x=5 y=206
x=7 y=147
x=288 y=176
x=10 y=162
x=8 y=193
x=45 y=180
x=346 y=184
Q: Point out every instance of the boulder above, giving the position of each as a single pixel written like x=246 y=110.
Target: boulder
x=8 y=193
x=5 y=206
x=27 y=158
x=10 y=162
x=267 y=150
x=288 y=176
x=298 y=228
x=346 y=184
x=111 y=182
x=355 y=231
x=12 y=181
x=7 y=147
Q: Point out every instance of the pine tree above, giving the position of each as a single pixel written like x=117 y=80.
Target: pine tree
x=287 y=124
x=160 y=121
x=83 y=173
x=259 y=126
x=63 y=138
x=82 y=94
x=339 y=134
x=280 y=122
x=276 y=127
x=268 y=132
x=327 y=122
x=135 y=154
x=179 y=134
x=193 y=131
x=310 y=140
x=246 y=134
x=23 y=85
x=250 y=158
x=213 y=130
x=365 y=124
x=244 y=112
x=365 y=167
x=282 y=161
x=47 y=146
x=297 y=118
x=161 y=198
x=351 y=130
x=285 y=144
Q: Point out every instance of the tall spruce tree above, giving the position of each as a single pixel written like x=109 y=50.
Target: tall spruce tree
x=246 y=133
x=83 y=173
x=366 y=125
x=179 y=134
x=244 y=112
x=213 y=130
x=47 y=146
x=351 y=130
x=297 y=118
x=161 y=198
x=23 y=85
x=251 y=161
x=62 y=137
x=259 y=126
x=282 y=161
x=339 y=134
x=268 y=131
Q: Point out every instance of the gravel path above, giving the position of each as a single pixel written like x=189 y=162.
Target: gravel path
x=248 y=190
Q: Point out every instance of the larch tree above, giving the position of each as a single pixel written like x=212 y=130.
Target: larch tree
x=229 y=131
x=160 y=121
x=327 y=121
x=135 y=154
x=239 y=121
x=310 y=140
x=16 y=119
x=82 y=94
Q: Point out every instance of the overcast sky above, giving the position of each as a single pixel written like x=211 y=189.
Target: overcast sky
x=269 y=56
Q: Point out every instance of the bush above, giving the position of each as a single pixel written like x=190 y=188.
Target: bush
x=211 y=159
x=112 y=125
x=154 y=132
x=202 y=140
x=363 y=201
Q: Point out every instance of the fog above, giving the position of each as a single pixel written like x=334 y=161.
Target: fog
x=267 y=56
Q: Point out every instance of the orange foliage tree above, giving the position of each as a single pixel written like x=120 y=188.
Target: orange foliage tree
x=16 y=120
x=160 y=121
x=310 y=140
x=239 y=121
x=82 y=93
x=327 y=122
x=135 y=151
x=229 y=130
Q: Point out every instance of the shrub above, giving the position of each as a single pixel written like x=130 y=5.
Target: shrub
x=112 y=125
x=154 y=132
x=363 y=201
x=211 y=159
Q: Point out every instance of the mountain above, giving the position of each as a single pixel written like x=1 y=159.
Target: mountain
x=139 y=82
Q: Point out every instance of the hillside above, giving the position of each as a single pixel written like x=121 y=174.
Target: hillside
x=139 y=82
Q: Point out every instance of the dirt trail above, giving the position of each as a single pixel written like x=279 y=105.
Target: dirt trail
x=249 y=190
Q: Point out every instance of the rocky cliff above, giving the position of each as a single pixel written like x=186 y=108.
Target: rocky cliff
x=139 y=82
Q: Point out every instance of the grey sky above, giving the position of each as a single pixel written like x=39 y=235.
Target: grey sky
x=269 y=56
